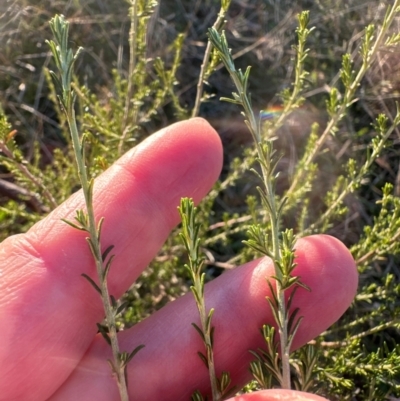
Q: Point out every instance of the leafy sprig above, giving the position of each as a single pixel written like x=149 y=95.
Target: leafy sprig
x=356 y=174
x=275 y=244
x=191 y=240
x=86 y=220
x=338 y=103
x=208 y=60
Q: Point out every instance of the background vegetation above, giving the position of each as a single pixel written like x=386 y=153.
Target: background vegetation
x=359 y=357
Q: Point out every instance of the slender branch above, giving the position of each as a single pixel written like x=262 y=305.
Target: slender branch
x=265 y=153
x=132 y=66
x=191 y=240
x=25 y=171
x=294 y=99
x=373 y=252
x=348 y=98
x=65 y=59
x=100 y=265
x=218 y=25
x=376 y=151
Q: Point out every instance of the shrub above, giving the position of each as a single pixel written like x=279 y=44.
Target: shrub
x=335 y=127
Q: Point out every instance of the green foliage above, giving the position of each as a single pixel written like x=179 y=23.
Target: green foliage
x=380 y=238
x=191 y=240
x=340 y=176
x=85 y=219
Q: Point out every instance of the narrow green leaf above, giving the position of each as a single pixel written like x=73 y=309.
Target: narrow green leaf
x=99 y=228
x=134 y=352
x=106 y=252
x=104 y=333
x=273 y=293
x=94 y=285
x=198 y=329
x=208 y=320
x=230 y=100
x=212 y=336
x=114 y=303
x=292 y=318
x=107 y=267
x=90 y=190
x=274 y=312
x=203 y=358
x=70 y=223
x=197 y=396
x=224 y=382
x=291 y=297
x=91 y=247
x=121 y=307
x=197 y=297
x=294 y=331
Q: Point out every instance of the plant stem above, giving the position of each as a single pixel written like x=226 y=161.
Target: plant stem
x=265 y=152
x=218 y=25
x=191 y=240
x=348 y=96
x=24 y=170
x=65 y=59
x=295 y=100
x=94 y=237
x=376 y=151
x=216 y=394
x=132 y=65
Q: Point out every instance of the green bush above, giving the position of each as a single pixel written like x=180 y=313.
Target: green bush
x=338 y=168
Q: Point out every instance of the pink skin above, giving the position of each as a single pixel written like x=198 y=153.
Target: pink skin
x=49 y=349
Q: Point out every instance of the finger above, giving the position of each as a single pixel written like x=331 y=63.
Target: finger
x=47 y=310
x=278 y=395
x=169 y=368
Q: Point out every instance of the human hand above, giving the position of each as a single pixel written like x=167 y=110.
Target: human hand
x=49 y=348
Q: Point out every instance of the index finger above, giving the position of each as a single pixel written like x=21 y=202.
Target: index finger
x=47 y=310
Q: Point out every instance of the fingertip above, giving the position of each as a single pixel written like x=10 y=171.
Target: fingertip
x=191 y=149
x=332 y=260
x=203 y=140
x=278 y=395
x=328 y=268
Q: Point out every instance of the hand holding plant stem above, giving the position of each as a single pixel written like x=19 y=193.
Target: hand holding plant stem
x=48 y=363
x=65 y=59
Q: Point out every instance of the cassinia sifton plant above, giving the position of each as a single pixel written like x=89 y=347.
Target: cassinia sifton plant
x=268 y=239
x=356 y=359
x=273 y=243
x=85 y=219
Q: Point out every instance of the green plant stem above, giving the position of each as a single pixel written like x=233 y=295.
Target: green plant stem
x=295 y=100
x=132 y=65
x=216 y=394
x=191 y=240
x=24 y=170
x=218 y=25
x=280 y=294
x=366 y=257
x=265 y=159
x=363 y=171
x=110 y=316
x=348 y=96
x=274 y=221
x=65 y=59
